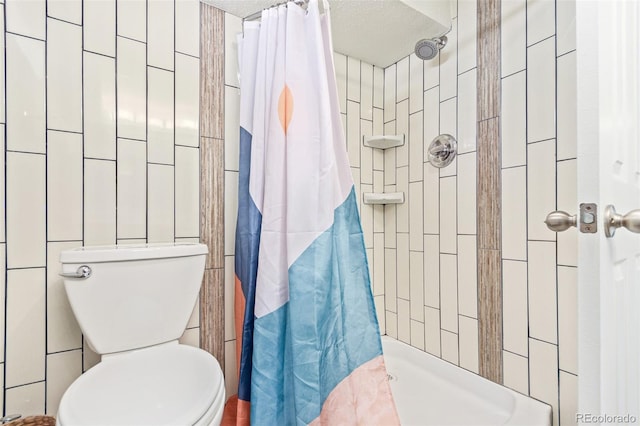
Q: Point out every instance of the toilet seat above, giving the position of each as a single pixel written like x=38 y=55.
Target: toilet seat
x=164 y=385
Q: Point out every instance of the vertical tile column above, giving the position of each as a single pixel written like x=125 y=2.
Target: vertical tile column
x=489 y=192
x=212 y=330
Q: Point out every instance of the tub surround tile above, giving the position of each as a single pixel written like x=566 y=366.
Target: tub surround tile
x=378 y=264
x=416 y=290
x=467 y=276
x=27 y=400
x=27 y=18
x=416 y=217
x=449 y=293
x=160 y=48
x=160 y=125
x=187 y=97
x=417 y=334
x=366 y=91
x=131 y=172
x=380 y=313
x=467 y=35
x=392 y=324
x=448 y=125
x=568 y=319
x=431 y=118
x=467 y=114
x=132 y=89
x=514 y=213
x=514 y=293
x=513 y=36
x=566 y=98
x=450 y=350
x=542 y=291
x=378 y=87
x=568 y=398
x=567 y=200
x=187 y=19
x=449 y=64
x=390 y=93
x=160 y=203
x=402 y=210
x=416 y=83
x=187 y=195
x=541 y=189
x=402 y=79
x=404 y=322
x=390 y=291
x=99 y=19
x=402 y=128
x=541 y=20
x=232 y=128
x=432 y=271
x=448 y=214
x=340 y=64
x=566 y=26
x=230 y=211
x=466 y=193
x=516 y=372
x=99 y=100
x=353 y=79
x=514 y=120
x=99 y=202
x=541 y=91
x=132 y=18
x=468 y=343
x=431 y=199
x=390 y=156
x=543 y=374
x=366 y=153
x=431 y=74
x=416 y=147
x=432 y=330
x=62 y=369
x=69 y=10
x=353 y=133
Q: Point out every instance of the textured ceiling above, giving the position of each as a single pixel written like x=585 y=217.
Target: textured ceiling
x=379 y=32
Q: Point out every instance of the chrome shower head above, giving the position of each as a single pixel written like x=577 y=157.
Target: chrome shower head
x=429 y=48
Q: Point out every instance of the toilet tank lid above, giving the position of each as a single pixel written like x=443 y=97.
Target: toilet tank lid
x=125 y=252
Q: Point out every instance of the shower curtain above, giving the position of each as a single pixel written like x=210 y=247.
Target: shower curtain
x=308 y=339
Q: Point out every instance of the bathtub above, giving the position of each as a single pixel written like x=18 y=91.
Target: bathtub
x=430 y=391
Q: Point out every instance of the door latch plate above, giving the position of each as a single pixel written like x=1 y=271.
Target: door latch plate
x=588 y=218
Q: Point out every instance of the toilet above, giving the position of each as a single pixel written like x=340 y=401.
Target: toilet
x=132 y=303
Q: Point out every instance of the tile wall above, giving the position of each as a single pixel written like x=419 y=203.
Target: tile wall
x=99 y=122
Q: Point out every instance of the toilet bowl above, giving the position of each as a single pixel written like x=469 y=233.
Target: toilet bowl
x=132 y=306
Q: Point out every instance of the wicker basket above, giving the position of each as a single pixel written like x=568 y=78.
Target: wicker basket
x=34 y=421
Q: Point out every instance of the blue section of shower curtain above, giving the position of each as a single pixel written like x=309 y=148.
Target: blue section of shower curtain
x=326 y=330
x=246 y=260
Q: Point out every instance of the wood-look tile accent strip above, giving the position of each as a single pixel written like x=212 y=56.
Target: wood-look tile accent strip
x=211 y=71
x=490 y=314
x=212 y=178
x=489 y=192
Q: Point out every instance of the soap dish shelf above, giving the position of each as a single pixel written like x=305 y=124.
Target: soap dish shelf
x=383 y=141
x=378 y=198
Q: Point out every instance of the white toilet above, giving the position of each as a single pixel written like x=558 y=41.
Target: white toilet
x=133 y=303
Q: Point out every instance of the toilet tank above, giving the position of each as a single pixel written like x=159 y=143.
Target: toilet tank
x=136 y=295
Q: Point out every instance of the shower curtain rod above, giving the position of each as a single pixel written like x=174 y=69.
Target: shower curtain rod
x=258 y=14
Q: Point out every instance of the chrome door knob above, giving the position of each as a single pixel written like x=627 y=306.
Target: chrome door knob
x=559 y=221
x=613 y=221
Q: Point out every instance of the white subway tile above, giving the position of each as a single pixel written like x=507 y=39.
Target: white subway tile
x=449 y=346
x=26 y=210
x=230 y=368
x=64 y=76
x=448 y=123
x=378 y=264
x=366 y=153
x=566 y=25
x=3 y=271
x=132 y=18
x=190 y=337
x=229 y=297
x=132 y=89
x=513 y=44
x=567 y=185
x=513 y=121
x=188 y=27
x=402 y=262
x=402 y=79
x=543 y=374
x=353 y=79
x=449 y=292
x=431 y=118
x=402 y=210
x=160 y=214
x=567 y=95
x=390 y=291
x=27 y=18
x=25 y=74
x=568 y=318
x=467 y=193
x=404 y=323
x=187 y=100
x=467 y=276
x=432 y=330
x=469 y=344
x=416 y=147
x=541 y=91
x=378 y=129
x=448 y=214
x=63 y=332
x=467 y=117
x=132 y=189
x=390 y=93
x=99 y=202
x=467 y=34
x=378 y=211
x=3 y=118
x=231 y=128
x=448 y=58
x=390 y=220
x=378 y=87
x=2 y=187
x=27 y=400
x=230 y=211
x=515 y=328
x=516 y=372
x=66 y=10
x=160 y=19
x=432 y=271
x=366 y=217
x=100 y=26
x=353 y=133
x=416 y=290
x=416 y=83
x=514 y=213
x=431 y=199
x=62 y=369
x=187 y=182
x=64 y=186
x=26 y=334
x=160 y=116
x=402 y=128
x=431 y=73
x=232 y=27
x=568 y=397
x=99 y=106
x=541 y=20
x=542 y=291
x=416 y=216
x=417 y=333
x=391 y=324
x=390 y=156
x=2 y=393
x=340 y=64
x=541 y=189
x=366 y=91
x=89 y=357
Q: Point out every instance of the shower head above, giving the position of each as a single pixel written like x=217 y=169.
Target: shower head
x=429 y=48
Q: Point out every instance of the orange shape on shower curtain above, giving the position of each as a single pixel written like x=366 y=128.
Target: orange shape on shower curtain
x=285 y=108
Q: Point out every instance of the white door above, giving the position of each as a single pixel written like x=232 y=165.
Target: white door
x=608 y=46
